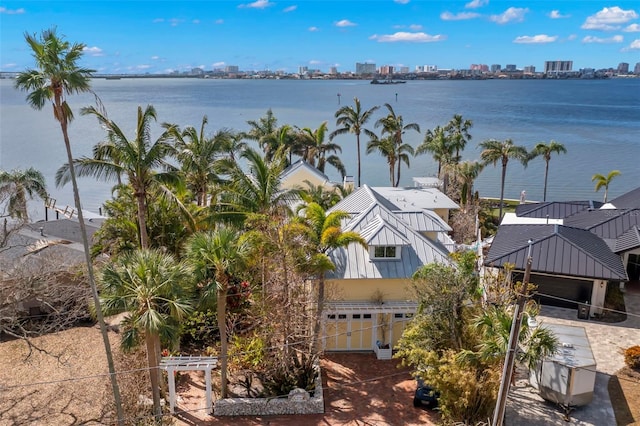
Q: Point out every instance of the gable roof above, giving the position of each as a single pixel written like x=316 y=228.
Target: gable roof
x=424 y=221
x=629 y=240
x=555 y=209
x=608 y=224
x=361 y=199
x=556 y=249
x=412 y=198
x=629 y=200
x=300 y=166
x=380 y=225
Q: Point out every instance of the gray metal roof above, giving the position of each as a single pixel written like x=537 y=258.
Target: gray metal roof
x=629 y=200
x=379 y=232
x=628 y=241
x=556 y=249
x=354 y=262
x=412 y=198
x=424 y=221
x=361 y=199
x=606 y=223
x=555 y=209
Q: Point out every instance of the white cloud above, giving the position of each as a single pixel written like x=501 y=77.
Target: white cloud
x=415 y=27
x=218 y=64
x=633 y=28
x=513 y=14
x=609 y=18
x=6 y=11
x=218 y=21
x=155 y=58
x=448 y=16
x=175 y=21
x=536 y=39
x=290 y=9
x=258 y=4
x=614 y=39
x=474 y=4
x=572 y=37
x=93 y=51
x=635 y=44
x=195 y=21
x=407 y=37
x=8 y=66
x=555 y=14
x=345 y=23
x=401 y=1
x=314 y=62
x=314 y=29
x=140 y=67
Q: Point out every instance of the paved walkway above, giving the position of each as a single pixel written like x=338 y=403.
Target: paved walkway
x=608 y=340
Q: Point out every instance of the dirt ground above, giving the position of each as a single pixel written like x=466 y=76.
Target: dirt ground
x=358 y=390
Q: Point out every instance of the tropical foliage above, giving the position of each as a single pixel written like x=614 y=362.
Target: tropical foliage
x=603 y=181
x=19 y=185
x=545 y=150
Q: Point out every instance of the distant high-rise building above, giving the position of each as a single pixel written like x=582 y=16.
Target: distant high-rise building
x=510 y=68
x=496 y=68
x=404 y=70
x=430 y=68
x=636 y=69
x=530 y=69
x=386 y=69
x=333 y=70
x=303 y=70
x=479 y=67
x=557 y=66
x=623 y=68
x=419 y=68
x=231 y=69
x=365 y=68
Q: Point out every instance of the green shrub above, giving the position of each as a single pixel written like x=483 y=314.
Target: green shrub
x=200 y=329
x=632 y=357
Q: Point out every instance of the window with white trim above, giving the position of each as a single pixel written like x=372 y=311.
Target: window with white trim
x=385 y=252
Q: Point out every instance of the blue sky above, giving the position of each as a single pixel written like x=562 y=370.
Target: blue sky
x=163 y=36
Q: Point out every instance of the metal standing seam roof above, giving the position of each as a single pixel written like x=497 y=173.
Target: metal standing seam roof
x=556 y=249
x=629 y=240
x=629 y=200
x=378 y=233
x=412 y=198
x=555 y=209
x=354 y=262
x=424 y=221
x=606 y=223
x=361 y=199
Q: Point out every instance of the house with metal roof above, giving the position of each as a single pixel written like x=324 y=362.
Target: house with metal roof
x=589 y=246
x=298 y=174
x=368 y=295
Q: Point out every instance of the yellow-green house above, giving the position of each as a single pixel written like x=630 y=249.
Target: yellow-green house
x=368 y=301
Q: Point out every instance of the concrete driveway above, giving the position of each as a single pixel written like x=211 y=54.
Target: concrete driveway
x=607 y=340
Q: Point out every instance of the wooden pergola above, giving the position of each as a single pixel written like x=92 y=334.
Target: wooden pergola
x=171 y=364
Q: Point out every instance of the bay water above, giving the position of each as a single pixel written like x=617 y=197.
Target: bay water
x=598 y=121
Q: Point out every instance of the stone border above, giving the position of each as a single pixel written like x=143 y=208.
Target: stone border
x=272 y=406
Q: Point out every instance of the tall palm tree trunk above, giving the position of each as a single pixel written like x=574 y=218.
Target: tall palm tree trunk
x=358 y=148
x=317 y=345
x=87 y=256
x=504 y=176
x=142 y=218
x=546 y=175
x=154 y=373
x=221 y=305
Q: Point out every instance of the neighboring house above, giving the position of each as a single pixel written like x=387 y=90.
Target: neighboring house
x=368 y=296
x=299 y=173
x=582 y=246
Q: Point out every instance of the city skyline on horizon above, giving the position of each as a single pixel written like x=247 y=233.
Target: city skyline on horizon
x=133 y=38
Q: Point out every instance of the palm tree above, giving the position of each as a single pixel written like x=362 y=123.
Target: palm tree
x=393 y=125
x=153 y=289
x=199 y=156
x=255 y=191
x=17 y=185
x=604 y=181
x=139 y=159
x=387 y=148
x=494 y=151
x=264 y=131
x=57 y=75
x=325 y=234
x=352 y=120
x=466 y=173
x=459 y=136
x=545 y=150
x=217 y=258
x=439 y=146
x=315 y=149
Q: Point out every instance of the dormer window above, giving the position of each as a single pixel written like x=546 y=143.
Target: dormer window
x=385 y=252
